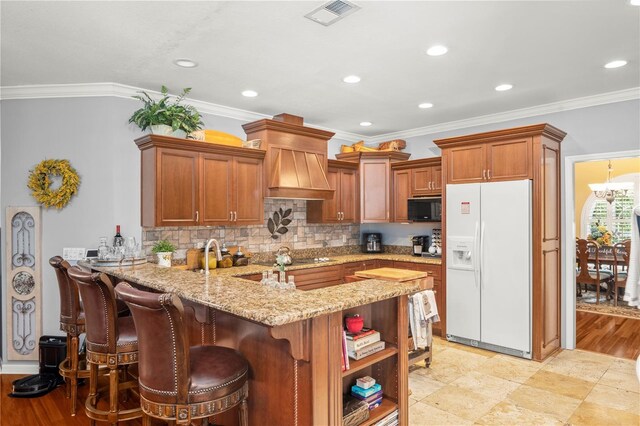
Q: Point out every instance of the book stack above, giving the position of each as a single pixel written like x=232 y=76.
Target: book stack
x=372 y=394
x=389 y=420
x=364 y=343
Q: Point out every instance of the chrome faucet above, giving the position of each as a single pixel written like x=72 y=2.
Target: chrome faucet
x=206 y=254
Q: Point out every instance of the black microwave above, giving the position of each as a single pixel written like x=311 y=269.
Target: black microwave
x=425 y=209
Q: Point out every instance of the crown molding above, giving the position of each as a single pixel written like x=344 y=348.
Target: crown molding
x=124 y=91
x=84 y=90
x=587 y=101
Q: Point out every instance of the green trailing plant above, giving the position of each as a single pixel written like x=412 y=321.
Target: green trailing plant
x=165 y=111
x=163 y=246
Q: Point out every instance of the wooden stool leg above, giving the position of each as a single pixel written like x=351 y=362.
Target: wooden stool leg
x=93 y=384
x=114 y=376
x=146 y=420
x=243 y=413
x=67 y=361
x=74 y=377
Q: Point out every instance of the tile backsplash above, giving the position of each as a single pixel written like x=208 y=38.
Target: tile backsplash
x=299 y=234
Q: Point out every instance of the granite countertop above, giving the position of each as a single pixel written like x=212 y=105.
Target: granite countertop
x=226 y=290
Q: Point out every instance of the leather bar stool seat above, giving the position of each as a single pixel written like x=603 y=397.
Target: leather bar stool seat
x=112 y=342
x=72 y=322
x=179 y=382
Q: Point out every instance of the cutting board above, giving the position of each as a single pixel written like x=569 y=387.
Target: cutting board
x=392 y=274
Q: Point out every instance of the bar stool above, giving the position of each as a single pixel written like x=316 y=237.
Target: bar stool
x=111 y=341
x=72 y=322
x=178 y=382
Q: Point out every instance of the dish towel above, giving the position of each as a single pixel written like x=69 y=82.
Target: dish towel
x=632 y=290
x=422 y=312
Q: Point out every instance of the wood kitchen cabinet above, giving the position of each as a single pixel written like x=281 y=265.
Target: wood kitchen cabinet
x=189 y=183
x=415 y=178
x=528 y=152
x=375 y=182
x=508 y=159
x=343 y=207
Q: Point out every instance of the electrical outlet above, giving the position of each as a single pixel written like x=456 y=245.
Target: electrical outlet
x=410 y=237
x=295 y=238
x=344 y=239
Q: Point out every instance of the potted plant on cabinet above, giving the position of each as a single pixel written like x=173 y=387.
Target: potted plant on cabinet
x=164 y=250
x=166 y=117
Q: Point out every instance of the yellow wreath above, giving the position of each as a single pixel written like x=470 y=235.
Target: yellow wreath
x=40 y=183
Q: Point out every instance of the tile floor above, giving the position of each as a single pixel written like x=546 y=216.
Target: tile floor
x=466 y=385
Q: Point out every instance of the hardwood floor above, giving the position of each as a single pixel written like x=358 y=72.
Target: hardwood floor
x=608 y=334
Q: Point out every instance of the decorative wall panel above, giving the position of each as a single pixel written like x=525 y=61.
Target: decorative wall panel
x=24 y=282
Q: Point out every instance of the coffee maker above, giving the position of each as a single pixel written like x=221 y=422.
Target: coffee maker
x=420 y=244
x=372 y=243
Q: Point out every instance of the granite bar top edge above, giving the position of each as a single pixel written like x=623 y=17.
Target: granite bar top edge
x=230 y=293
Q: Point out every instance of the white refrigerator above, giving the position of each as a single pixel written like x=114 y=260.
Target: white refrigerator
x=489 y=265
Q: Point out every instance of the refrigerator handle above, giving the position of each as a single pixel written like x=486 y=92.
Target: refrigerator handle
x=481 y=253
x=476 y=269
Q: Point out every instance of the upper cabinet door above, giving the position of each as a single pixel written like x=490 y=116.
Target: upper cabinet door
x=374 y=178
x=349 y=196
x=176 y=188
x=400 y=195
x=509 y=160
x=466 y=164
x=331 y=208
x=217 y=190
x=249 y=207
x=420 y=181
x=436 y=179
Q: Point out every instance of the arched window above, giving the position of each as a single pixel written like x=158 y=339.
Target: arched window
x=616 y=217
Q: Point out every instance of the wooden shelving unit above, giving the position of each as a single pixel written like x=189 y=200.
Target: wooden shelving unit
x=358 y=365
x=378 y=413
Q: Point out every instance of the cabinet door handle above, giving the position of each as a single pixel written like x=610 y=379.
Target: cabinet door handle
x=230 y=216
x=484 y=174
x=235 y=216
x=489 y=174
x=197 y=216
x=341 y=215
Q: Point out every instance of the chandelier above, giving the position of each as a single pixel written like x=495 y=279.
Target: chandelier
x=610 y=190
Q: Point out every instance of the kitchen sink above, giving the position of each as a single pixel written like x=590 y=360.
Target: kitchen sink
x=301 y=261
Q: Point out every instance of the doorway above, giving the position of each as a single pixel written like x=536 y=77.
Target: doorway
x=605 y=324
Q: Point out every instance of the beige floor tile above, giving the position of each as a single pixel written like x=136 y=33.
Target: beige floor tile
x=561 y=384
x=461 y=402
x=422 y=386
x=586 y=368
x=451 y=364
x=611 y=397
x=624 y=365
x=509 y=368
x=484 y=384
x=580 y=355
x=473 y=350
x=621 y=379
x=589 y=413
x=421 y=414
x=544 y=402
x=508 y=413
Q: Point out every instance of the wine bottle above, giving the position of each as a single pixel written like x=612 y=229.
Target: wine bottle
x=118 y=241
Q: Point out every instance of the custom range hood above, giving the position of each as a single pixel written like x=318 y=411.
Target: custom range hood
x=296 y=157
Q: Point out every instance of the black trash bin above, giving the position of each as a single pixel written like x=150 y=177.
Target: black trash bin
x=52 y=351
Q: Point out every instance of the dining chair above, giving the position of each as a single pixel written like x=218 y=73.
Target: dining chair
x=590 y=276
x=621 y=267
x=179 y=382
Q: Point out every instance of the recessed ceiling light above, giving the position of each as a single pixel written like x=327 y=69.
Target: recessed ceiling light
x=250 y=93
x=616 y=64
x=437 y=50
x=365 y=124
x=634 y=2
x=185 y=63
x=351 y=79
x=503 y=87
x=425 y=105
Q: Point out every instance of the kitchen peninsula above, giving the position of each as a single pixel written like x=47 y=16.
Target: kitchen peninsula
x=292 y=338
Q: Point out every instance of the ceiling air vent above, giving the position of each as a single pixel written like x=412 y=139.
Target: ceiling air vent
x=332 y=12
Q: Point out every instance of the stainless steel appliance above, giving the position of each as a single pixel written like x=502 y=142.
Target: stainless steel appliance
x=425 y=209
x=372 y=243
x=420 y=244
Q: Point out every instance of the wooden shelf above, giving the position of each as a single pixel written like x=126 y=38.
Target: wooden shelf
x=357 y=365
x=380 y=412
